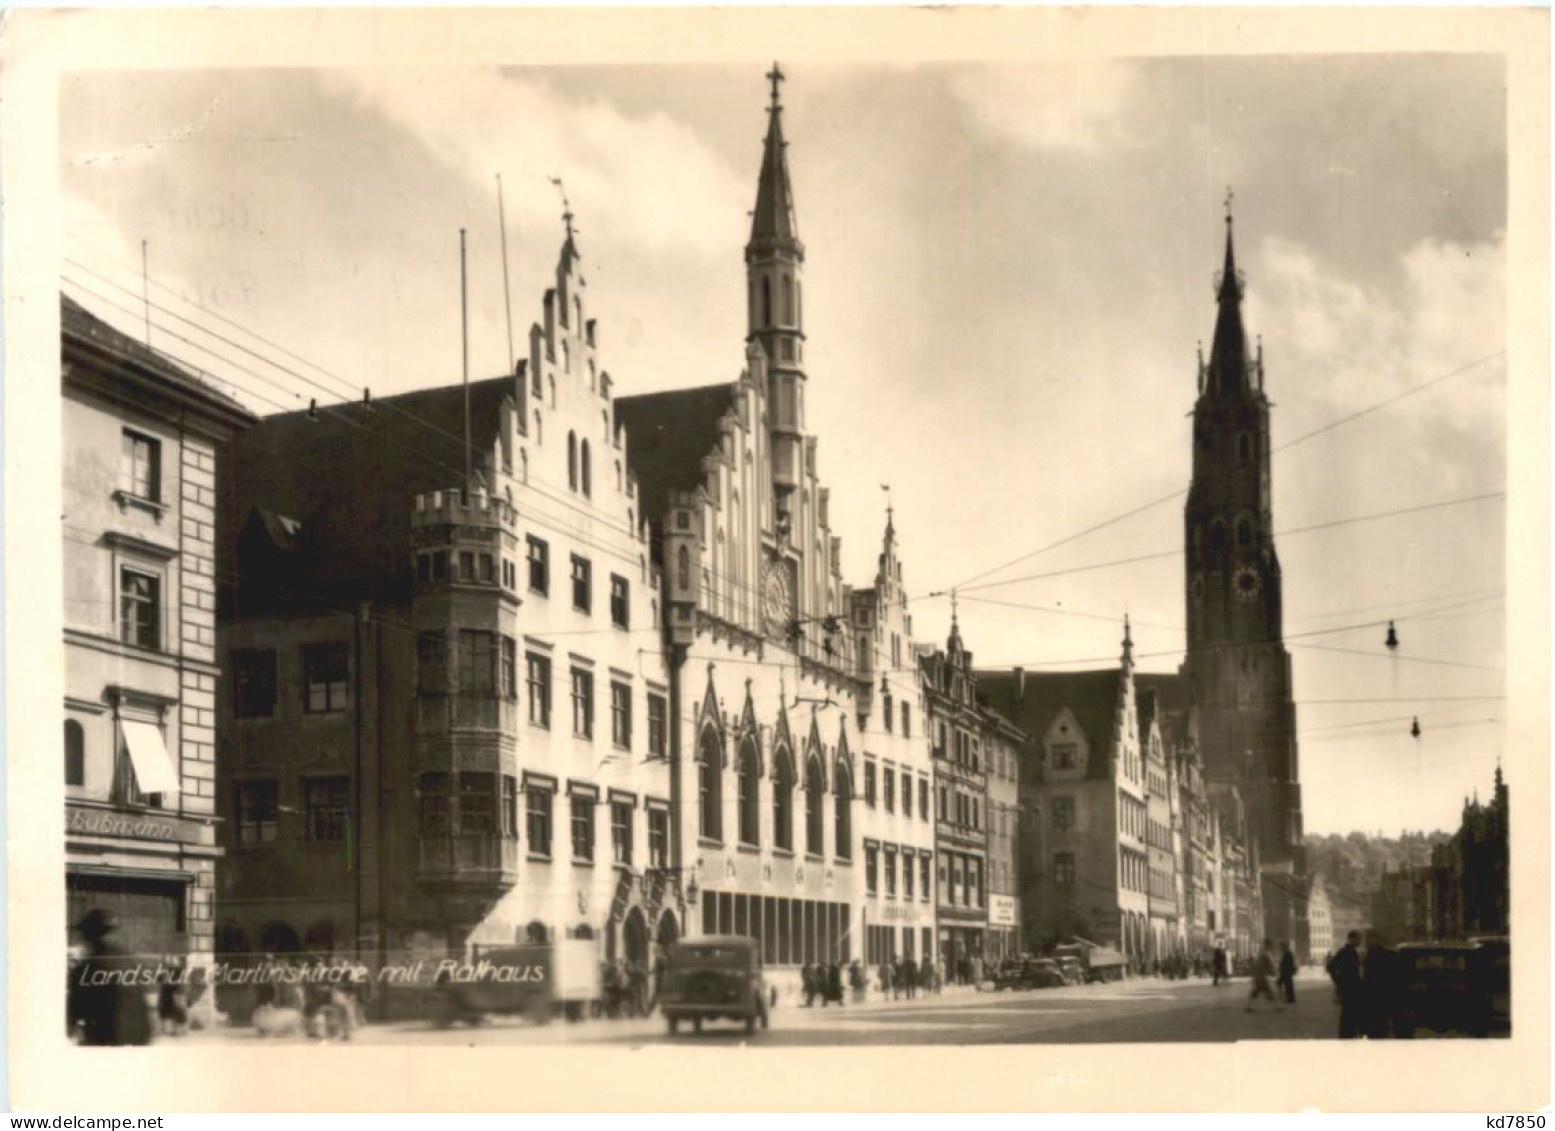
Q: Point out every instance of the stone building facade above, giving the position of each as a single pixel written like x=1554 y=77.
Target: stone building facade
x=143 y=439
x=449 y=726
x=896 y=819
x=956 y=729
x=787 y=688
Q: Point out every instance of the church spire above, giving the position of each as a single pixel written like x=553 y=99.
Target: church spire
x=1128 y=645
x=1228 y=352
x=773 y=226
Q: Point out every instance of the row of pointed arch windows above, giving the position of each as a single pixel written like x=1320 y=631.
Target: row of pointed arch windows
x=748 y=799
x=788 y=310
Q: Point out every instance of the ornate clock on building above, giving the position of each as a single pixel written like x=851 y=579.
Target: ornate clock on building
x=776 y=601
x=1245 y=583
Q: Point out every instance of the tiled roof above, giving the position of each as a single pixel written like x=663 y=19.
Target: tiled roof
x=1092 y=697
x=350 y=476
x=668 y=436
x=82 y=326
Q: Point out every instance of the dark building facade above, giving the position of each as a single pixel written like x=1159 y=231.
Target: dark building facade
x=1464 y=892
x=1237 y=669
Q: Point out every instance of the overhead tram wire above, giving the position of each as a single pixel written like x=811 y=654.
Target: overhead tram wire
x=1445 y=612
x=1178 y=551
x=336 y=410
x=352 y=395
x=1422 y=387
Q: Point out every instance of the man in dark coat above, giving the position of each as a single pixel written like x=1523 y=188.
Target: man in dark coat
x=1221 y=966
x=103 y=1009
x=833 y=975
x=1378 y=973
x=1345 y=970
x=1287 y=978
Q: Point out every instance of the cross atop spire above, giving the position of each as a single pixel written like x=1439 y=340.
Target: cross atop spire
x=773 y=226
x=776 y=76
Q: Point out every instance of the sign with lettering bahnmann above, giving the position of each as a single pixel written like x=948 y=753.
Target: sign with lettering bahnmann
x=168 y=828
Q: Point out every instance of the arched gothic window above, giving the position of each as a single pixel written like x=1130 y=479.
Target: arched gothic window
x=749 y=796
x=572 y=460
x=815 y=808
x=844 y=814
x=766 y=301
x=788 y=300
x=586 y=474
x=783 y=799
x=710 y=785
x=1244 y=533
x=683 y=568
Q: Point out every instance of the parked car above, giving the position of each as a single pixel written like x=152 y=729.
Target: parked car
x=1496 y=959
x=1028 y=974
x=717 y=976
x=1443 y=986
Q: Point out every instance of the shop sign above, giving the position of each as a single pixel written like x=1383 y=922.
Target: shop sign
x=136 y=826
x=1001 y=911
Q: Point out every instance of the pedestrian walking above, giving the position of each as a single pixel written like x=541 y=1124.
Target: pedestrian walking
x=102 y=1009
x=1345 y=970
x=807 y=975
x=1287 y=979
x=910 y=977
x=1378 y=988
x=1263 y=971
x=1221 y=966
x=834 y=985
x=173 y=1002
x=887 y=980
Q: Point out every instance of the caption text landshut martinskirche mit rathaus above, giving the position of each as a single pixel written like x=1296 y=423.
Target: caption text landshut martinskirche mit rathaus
x=533 y=659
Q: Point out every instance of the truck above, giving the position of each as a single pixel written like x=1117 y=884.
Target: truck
x=1098 y=963
x=538 y=981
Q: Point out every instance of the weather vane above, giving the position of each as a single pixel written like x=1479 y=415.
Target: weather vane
x=567 y=216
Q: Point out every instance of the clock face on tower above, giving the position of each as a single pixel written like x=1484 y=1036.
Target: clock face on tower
x=776 y=601
x=1245 y=583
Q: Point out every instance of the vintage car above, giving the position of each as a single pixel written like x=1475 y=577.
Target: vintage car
x=713 y=977
x=1496 y=959
x=1028 y=974
x=1442 y=986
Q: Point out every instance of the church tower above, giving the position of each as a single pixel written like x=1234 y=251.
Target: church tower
x=774 y=261
x=1237 y=667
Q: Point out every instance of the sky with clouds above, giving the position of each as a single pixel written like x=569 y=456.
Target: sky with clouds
x=1008 y=269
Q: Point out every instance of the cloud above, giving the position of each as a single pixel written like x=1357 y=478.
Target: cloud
x=1072 y=105
x=1356 y=342
x=643 y=180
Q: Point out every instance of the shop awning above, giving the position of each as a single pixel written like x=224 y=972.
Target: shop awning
x=154 y=770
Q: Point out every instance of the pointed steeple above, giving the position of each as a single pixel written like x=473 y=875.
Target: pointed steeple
x=773 y=226
x=953 y=644
x=1228 y=351
x=1128 y=645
